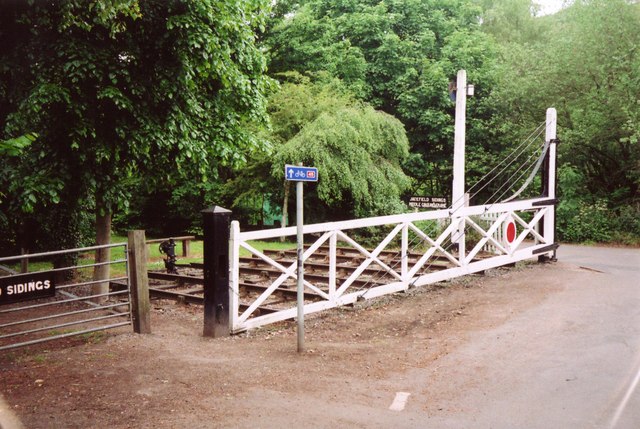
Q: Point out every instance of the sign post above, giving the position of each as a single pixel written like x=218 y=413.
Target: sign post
x=300 y=174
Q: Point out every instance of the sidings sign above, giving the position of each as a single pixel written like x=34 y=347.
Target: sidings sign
x=24 y=287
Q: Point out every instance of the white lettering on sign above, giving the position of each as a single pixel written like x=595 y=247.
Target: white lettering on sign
x=428 y=202
x=28 y=287
x=23 y=287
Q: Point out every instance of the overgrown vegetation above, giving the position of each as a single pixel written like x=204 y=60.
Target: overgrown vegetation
x=584 y=61
x=150 y=111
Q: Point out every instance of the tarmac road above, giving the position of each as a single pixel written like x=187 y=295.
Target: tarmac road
x=569 y=359
x=571 y=362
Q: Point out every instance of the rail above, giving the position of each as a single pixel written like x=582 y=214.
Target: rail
x=184 y=240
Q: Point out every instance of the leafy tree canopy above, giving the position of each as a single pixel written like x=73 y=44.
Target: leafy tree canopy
x=126 y=91
x=513 y=21
x=588 y=69
x=399 y=56
x=358 y=152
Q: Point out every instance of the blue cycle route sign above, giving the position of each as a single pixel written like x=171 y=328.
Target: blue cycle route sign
x=300 y=174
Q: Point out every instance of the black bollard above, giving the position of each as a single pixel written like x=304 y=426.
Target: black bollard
x=216 y=222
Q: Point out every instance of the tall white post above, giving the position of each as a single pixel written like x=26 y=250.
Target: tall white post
x=457 y=194
x=550 y=136
x=234 y=275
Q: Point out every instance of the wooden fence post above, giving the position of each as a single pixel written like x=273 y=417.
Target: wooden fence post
x=216 y=222
x=139 y=282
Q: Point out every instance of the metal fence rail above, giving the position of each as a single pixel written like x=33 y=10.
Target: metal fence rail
x=78 y=304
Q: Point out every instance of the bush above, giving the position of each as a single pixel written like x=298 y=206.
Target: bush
x=580 y=221
x=585 y=222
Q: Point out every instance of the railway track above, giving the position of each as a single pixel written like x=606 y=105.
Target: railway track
x=256 y=275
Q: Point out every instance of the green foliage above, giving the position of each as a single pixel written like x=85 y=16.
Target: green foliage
x=13 y=147
x=172 y=210
x=590 y=222
x=399 y=56
x=583 y=61
x=298 y=102
x=126 y=92
x=513 y=21
x=358 y=152
x=582 y=218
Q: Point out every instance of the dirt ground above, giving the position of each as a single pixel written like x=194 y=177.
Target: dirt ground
x=175 y=378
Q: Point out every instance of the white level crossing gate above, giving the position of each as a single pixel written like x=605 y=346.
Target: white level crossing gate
x=468 y=239
x=412 y=232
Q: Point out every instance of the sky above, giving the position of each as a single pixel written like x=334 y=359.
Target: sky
x=549 y=6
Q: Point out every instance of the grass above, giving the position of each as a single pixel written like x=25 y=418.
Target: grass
x=39 y=358
x=94 y=337
x=196 y=254
x=267 y=245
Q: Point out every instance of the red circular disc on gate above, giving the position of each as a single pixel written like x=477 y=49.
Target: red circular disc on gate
x=511 y=232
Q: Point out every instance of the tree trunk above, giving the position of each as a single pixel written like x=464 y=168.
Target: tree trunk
x=285 y=206
x=103 y=236
x=23 y=239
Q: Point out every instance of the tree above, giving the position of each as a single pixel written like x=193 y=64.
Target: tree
x=587 y=69
x=586 y=65
x=513 y=21
x=124 y=92
x=399 y=56
x=298 y=102
x=319 y=122
x=11 y=147
x=358 y=152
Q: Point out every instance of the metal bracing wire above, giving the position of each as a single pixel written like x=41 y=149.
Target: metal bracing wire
x=506 y=163
x=508 y=181
x=505 y=187
x=533 y=173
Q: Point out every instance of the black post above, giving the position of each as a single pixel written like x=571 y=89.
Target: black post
x=216 y=222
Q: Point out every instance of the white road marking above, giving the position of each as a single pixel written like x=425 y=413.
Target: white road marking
x=625 y=400
x=400 y=401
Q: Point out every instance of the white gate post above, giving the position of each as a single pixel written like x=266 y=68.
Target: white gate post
x=550 y=136
x=458 y=199
x=234 y=275
x=457 y=194
x=404 y=253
